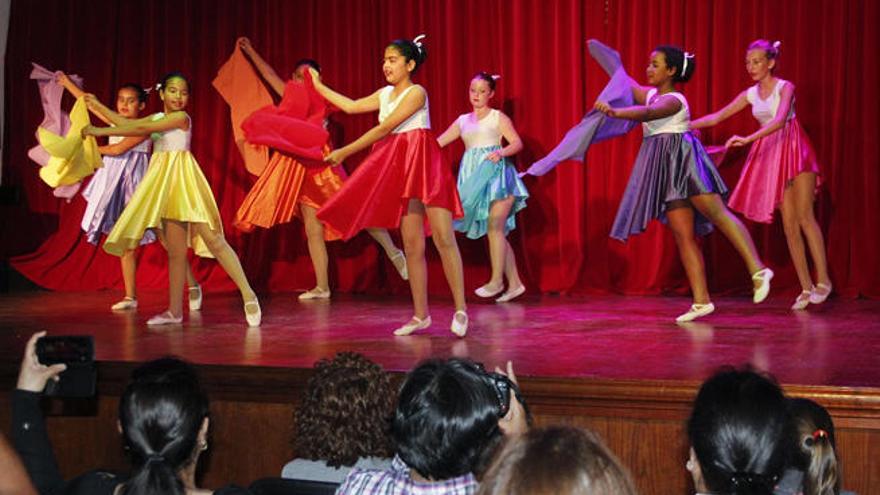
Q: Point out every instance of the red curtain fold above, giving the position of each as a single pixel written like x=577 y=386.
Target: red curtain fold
x=829 y=51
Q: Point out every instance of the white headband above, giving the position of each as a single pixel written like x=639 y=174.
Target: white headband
x=418 y=41
x=684 y=67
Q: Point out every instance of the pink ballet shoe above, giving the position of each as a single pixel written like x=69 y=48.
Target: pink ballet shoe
x=399 y=262
x=511 y=294
x=125 y=304
x=803 y=299
x=316 y=293
x=820 y=293
x=763 y=276
x=696 y=311
x=486 y=291
x=252 y=313
x=195 y=297
x=459 y=325
x=414 y=324
x=165 y=318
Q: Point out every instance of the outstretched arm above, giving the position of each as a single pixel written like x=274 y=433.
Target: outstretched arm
x=263 y=68
x=640 y=93
x=662 y=107
x=450 y=135
x=412 y=102
x=141 y=127
x=732 y=108
x=77 y=92
x=774 y=125
x=342 y=102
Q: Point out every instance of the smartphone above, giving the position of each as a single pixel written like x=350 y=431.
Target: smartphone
x=78 y=353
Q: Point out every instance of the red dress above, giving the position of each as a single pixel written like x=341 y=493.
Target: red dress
x=407 y=164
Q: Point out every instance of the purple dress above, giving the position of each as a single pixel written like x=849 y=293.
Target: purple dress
x=112 y=187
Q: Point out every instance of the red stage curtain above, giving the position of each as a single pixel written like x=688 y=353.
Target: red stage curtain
x=830 y=51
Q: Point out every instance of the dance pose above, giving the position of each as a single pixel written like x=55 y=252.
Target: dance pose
x=287 y=185
x=781 y=170
x=491 y=192
x=110 y=189
x=173 y=197
x=674 y=180
x=403 y=180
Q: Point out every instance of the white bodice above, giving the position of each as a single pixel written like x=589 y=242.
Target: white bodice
x=421 y=119
x=143 y=147
x=173 y=140
x=676 y=123
x=480 y=133
x=765 y=110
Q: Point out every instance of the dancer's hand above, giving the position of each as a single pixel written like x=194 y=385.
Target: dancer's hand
x=605 y=108
x=33 y=376
x=336 y=157
x=91 y=101
x=515 y=421
x=62 y=79
x=88 y=130
x=316 y=76
x=494 y=156
x=736 y=141
x=245 y=44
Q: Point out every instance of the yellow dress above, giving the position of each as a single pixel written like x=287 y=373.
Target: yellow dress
x=71 y=158
x=174 y=188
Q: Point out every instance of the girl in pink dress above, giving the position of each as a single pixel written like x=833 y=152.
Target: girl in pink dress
x=781 y=170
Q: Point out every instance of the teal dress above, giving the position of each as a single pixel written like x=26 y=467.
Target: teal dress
x=482 y=181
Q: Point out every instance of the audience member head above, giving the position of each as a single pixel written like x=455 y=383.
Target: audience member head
x=558 y=460
x=163 y=415
x=448 y=414
x=814 y=449
x=345 y=413
x=738 y=429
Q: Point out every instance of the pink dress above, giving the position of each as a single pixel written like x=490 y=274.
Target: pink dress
x=773 y=161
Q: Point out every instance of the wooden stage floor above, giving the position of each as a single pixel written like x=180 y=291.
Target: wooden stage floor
x=611 y=337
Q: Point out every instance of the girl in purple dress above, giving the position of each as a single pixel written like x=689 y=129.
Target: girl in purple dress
x=674 y=180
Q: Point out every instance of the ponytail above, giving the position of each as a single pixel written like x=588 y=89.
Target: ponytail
x=152 y=477
x=815 y=452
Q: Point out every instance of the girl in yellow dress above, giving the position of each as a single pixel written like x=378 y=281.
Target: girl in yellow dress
x=175 y=197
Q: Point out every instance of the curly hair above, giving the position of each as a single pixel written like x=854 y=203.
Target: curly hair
x=346 y=412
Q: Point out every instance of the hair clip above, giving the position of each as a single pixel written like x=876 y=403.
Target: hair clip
x=820 y=433
x=687 y=55
x=777 y=44
x=418 y=41
x=495 y=77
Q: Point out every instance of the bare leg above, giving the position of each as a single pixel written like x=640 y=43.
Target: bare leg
x=317 y=246
x=792 y=227
x=681 y=221
x=498 y=245
x=804 y=192
x=175 y=244
x=128 y=262
x=227 y=258
x=712 y=207
x=510 y=270
x=444 y=239
x=413 y=232
x=395 y=255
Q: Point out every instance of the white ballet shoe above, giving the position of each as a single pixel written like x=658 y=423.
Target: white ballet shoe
x=820 y=293
x=399 y=262
x=165 y=318
x=125 y=303
x=414 y=324
x=764 y=276
x=484 y=291
x=459 y=328
x=803 y=299
x=316 y=293
x=195 y=297
x=512 y=294
x=696 y=311
x=255 y=315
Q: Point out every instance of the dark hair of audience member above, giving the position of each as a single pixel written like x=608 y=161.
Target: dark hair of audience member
x=161 y=413
x=814 y=450
x=739 y=430
x=557 y=460
x=447 y=414
x=345 y=413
